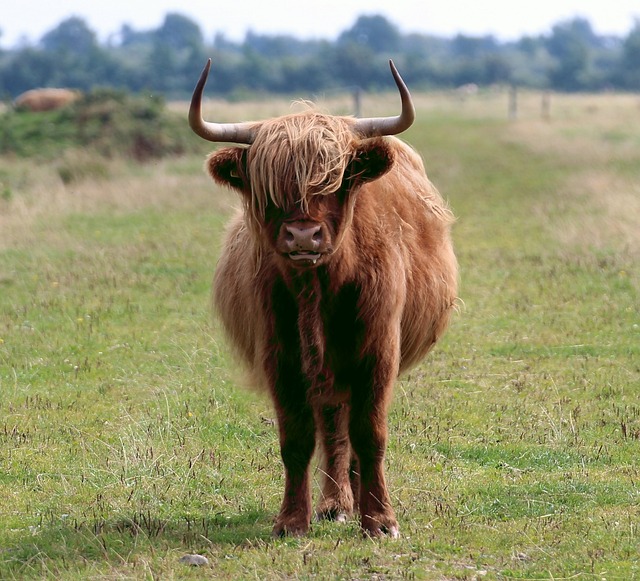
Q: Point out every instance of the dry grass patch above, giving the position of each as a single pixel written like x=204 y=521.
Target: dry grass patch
x=40 y=198
x=608 y=209
x=595 y=137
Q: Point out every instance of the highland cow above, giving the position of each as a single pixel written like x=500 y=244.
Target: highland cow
x=337 y=275
x=37 y=100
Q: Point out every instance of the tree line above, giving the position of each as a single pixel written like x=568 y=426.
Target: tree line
x=166 y=61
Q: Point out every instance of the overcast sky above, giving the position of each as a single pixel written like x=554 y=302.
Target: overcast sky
x=30 y=19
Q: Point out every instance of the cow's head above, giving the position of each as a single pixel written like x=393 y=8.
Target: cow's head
x=300 y=173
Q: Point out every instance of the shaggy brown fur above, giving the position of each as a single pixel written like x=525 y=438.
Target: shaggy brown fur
x=37 y=100
x=338 y=275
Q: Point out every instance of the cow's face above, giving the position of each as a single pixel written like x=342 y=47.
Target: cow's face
x=303 y=229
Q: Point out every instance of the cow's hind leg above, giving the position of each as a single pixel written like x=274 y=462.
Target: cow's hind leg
x=297 y=444
x=336 y=501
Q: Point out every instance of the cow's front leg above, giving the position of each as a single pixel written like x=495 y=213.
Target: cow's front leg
x=368 y=432
x=336 y=502
x=369 y=439
x=297 y=443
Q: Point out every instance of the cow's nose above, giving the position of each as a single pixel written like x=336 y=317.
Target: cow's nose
x=302 y=237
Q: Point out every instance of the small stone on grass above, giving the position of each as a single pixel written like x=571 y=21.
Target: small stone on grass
x=194 y=560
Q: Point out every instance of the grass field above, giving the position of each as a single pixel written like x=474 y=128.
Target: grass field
x=126 y=443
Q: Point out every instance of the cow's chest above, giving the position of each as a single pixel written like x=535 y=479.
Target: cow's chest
x=321 y=332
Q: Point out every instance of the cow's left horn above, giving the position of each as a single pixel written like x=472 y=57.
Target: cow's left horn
x=377 y=126
x=223 y=132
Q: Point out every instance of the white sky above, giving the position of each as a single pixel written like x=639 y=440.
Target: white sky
x=506 y=20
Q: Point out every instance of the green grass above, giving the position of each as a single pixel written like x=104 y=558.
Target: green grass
x=126 y=442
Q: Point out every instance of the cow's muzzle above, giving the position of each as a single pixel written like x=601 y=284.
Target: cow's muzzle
x=304 y=242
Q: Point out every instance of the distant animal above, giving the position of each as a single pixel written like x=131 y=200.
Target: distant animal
x=337 y=274
x=467 y=90
x=37 y=100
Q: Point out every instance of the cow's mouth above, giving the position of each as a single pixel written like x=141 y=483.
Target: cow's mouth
x=305 y=257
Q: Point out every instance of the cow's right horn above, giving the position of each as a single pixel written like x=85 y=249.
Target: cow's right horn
x=221 y=132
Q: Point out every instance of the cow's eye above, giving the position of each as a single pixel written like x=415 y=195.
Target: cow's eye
x=272 y=212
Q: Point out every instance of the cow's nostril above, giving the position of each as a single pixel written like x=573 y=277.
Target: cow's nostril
x=317 y=235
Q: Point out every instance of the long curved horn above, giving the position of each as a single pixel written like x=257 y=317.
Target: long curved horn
x=377 y=126
x=224 y=132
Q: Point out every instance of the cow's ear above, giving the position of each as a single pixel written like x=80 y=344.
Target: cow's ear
x=228 y=167
x=372 y=159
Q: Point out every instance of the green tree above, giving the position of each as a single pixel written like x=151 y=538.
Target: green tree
x=473 y=46
x=353 y=66
x=74 y=57
x=179 y=32
x=177 y=53
x=129 y=37
x=630 y=61
x=570 y=43
x=72 y=35
x=27 y=69
x=374 y=32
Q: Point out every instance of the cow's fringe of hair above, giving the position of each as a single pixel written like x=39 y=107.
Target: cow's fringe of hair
x=296 y=157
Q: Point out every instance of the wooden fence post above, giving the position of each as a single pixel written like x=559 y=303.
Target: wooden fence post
x=357 y=102
x=546 y=105
x=513 y=103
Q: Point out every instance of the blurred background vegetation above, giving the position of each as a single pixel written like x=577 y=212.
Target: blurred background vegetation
x=167 y=60
x=108 y=122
